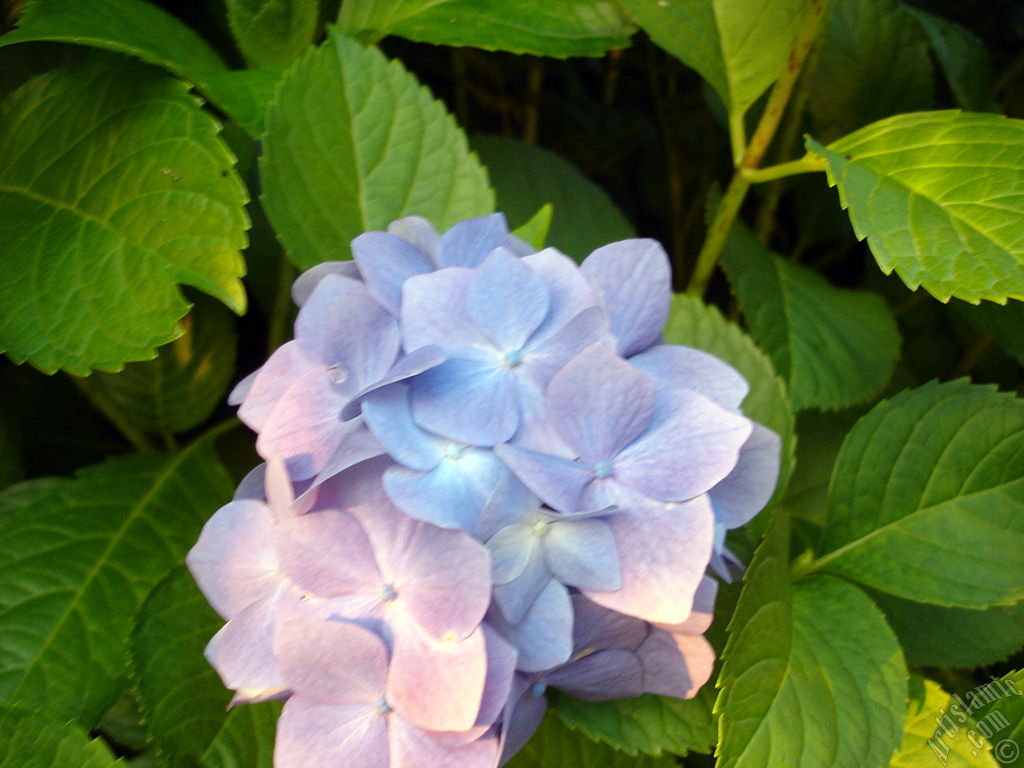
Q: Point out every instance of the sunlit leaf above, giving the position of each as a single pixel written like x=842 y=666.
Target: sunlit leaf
x=354 y=142
x=939 y=197
x=555 y=746
x=544 y=28
x=114 y=188
x=77 y=562
x=583 y=217
x=739 y=46
x=926 y=499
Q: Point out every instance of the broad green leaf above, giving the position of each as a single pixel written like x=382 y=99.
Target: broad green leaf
x=114 y=188
x=184 y=701
x=693 y=323
x=939 y=197
x=76 y=564
x=997 y=710
x=649 y=724
x=544 y=28
x=555 y=746
x=924 y=746
x=963 y=58
x=927 y=498
x=354 y=142
x=739 y=46
x=181 y=387
x=834 y=347
x=40 y=740
x=584 y=218
x=273 y=31
x=812 y=675
x=144 y=30
x=935 y=636
x=866 y=41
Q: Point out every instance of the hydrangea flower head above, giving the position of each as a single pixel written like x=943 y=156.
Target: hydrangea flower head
x=486 y=475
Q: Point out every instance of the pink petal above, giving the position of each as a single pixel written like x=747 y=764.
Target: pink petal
x=242 y=652
x=332 y=662
x=675 y=664
x=326 y=553
x=269 y=383
x=311 y=735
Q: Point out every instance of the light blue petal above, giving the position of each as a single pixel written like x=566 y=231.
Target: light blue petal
x=515 y=598
x=544 y=635
x=670 y=366
x=582 y=554
x=388 y=413
x=558 y=481
x=467 y=243
x=386 y=261
x=511 y=550
x=507 y=301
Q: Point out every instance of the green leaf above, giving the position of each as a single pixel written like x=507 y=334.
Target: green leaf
x=939 y=197
x=181 y=387
x=927 y=498
x=555 y=746
x=1004 y=324
x=693 y=323
x=114 y=188
x=184 y=702
x=144 y=30
x=934 y=636
x=739 y=46
x=39 y=740
x=812 y=674
x=998 y=713
x=834 y=347
x=865 y=42
x=354 y=142
x=923 y=745
x=76 y=564
x=649 y=724
x=963 y=58
x=544 y=28
x=535 y=231
x=584 y=217
x=273 y=31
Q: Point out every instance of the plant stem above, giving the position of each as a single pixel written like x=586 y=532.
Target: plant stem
x=105 y=405
x=282 y=305
x=763 y=134
x=806 y=164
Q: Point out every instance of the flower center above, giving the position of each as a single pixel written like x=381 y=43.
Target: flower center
x=540 y=527
x=512 y=359
x=602 y=469
x=387 y=593
x=452 y=452
x=382 y=706
x=537 y=689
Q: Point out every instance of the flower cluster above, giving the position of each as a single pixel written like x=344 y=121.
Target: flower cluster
x=486 y=474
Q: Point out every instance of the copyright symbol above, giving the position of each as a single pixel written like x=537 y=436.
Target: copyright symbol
x=1006 y=751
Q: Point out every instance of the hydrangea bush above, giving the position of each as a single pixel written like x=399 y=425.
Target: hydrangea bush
x=486 y=473
x=455 y=384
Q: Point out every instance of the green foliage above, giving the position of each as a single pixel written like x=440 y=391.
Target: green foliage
x=929 y=702
x=583 y=217
x=693 y=323
x=142 y=196
x=77 y=563
x=938 y=197
x=555 y=746
x=812 y=676
x=353 y=143
x=39 y=740
x=545 y=28
x=834 y=347
x=273 y=31
x=739 y=46
x=649 y=724
x=865 y=42
x=935 y=465
x=935 y=636
x=189 y=378
x=184 y=702
x=998 y=715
